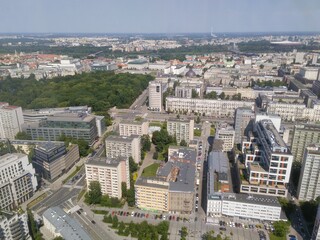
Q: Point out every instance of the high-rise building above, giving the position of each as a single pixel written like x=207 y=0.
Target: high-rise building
x=304 y=135
x=309 y=182
x=181 y=129
x=242 y=123
x=110 y=173
x=75 y=125
x=17 y=180
x=268 y=161
x=316 y=229
x=120 y=146
x=14 y=226
x=11 y=119
x=155 y=96
x=225 y=133
x=52 y=159
x=128 y=128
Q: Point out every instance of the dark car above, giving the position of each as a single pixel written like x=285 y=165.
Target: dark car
x=93 y=221
x=222 y=229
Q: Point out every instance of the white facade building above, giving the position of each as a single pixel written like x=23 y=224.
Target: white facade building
x=226 y=133
x=11 y=119
x=155 y=96
x=14 y=226
x=181 y=129
x=17 y=180
x=128 y=128
x=120 y=146
x=309 y=182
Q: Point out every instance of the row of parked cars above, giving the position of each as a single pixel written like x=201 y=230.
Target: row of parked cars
x=147 y=215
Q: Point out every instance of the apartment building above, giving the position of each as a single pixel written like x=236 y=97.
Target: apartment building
x=226 y=133
x=128 y=128
x=110 y=173
x=11 y=119
x=52 y=159
x=243 y=116
x=181 y=129
x=14 y=226
x=75 y=125
x=155 y=96
x=17 y=180
x=304 y=135
x=183 y=91
x=207 y=107
x=309 y=182
x=268 y=161
x=316 y=229
x=120 y=146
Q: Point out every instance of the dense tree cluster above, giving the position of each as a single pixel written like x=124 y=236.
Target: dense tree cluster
x=34 y=228
x=281 y=228
x=100 y=90
x=84 y=149
x=162 y=140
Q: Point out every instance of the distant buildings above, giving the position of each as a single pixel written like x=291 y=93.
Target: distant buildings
x=207 y=107
x=242 y=124
x=17 y=180
x=52 y=159
x=60 y=224
x=75 y=125
x=225 y=133
x=181 y=129
x=304 y=135
x=120 y=146
x=155 y=96
x=11 y=119
x=172 y=189
x=128 y=128
x=268 y=161
x=316 y=229
x=309 y=182
x=110 y=173
x=14 y=226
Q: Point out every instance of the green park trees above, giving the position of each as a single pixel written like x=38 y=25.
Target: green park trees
x=94 y=194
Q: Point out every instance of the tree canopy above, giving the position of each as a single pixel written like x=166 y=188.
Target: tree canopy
x=94 y=195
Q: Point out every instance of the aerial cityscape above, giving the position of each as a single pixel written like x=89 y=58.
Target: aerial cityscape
x=160 y=120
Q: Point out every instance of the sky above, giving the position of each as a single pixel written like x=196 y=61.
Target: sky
x=158 y=16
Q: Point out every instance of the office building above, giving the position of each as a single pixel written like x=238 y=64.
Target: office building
x=183 y=91
x=316 y=228
x=155 y=96
x=75 y=125
x=14 y=226
x=110 y=173
x=309 y=182
x=304 y=135
x=225 y=133
x=17 y=180
x=207 y=107
x=181 y=129
x=128 y=128
x=268 y=161
x=11 y=119
x=101 y=125
x=120 y=146
x=242 y=123
x=52 y=159
x=60 y=224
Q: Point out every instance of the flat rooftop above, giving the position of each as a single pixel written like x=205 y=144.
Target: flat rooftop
x=105 y=162
x=252 y=199
x=114 y=138
x=273 y=135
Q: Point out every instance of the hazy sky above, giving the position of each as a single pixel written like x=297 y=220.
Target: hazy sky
x=158 y=16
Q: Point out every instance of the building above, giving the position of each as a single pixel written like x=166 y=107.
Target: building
x=128 y=128
x=310 y=73
x=309 y=182
x=11 y=119
x=207 y=107
x=52 y=159
x=172 y=189
x=17 y=180
x=60 y=224
x=155 y=96
x=120 y=146
x=304 y=135
x=316 y=228
x=101 y=125
x=225 y=133
x=183 y=91
x=110 y=173
x=268 y=161
x=14 y=226
x=242 y=123
x=75 y=125
x=181 y=129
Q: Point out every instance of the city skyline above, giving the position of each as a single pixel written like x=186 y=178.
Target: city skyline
x=159 y=16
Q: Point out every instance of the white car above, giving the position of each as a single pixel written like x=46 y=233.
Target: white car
x=132 y=214
x=164 y=217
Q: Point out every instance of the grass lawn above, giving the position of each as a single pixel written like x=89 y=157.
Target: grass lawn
x=197 y=132
x=104 y=212
x=212 y=131
x=273 y=237
x=151 y=170
x=156 y=124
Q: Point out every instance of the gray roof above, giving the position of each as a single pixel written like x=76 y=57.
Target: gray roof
x=218 y=162
x=144 y=181
x=252 y=199
x=114 y=138
x=49 y=146
x=69 y=228
x=185 y=179
x=105 y=162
